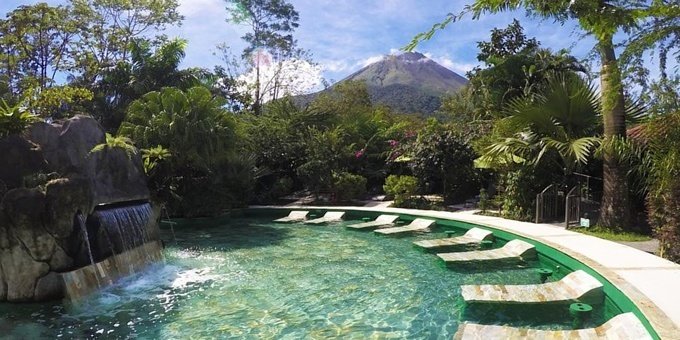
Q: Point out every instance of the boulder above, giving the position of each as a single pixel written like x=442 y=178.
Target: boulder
x=20 y=158
x=21 y=273
x=25 y=210
x=65 y=198
x=66 y=147
x=3 y=283
x=49 y=287
x=117 y=177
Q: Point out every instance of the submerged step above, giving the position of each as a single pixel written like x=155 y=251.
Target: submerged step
x=575 y=286
x=294 y=216
x=622 y=326
x=331 y=216
x=382 y=220
x=419 y=224
x=515 y=250
x=471 y=237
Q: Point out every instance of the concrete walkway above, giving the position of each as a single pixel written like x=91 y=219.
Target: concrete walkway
x=649 y=281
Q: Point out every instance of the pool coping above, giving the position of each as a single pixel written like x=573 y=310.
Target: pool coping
x=649 y=281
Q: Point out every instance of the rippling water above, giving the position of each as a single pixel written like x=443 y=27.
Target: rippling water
x=253 y=279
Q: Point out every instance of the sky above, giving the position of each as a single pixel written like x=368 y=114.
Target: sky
x=345 y=35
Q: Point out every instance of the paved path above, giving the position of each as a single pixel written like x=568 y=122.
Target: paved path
x=651 y=246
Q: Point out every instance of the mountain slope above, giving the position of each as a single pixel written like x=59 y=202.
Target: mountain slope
x=407 y=83
x=411 y=69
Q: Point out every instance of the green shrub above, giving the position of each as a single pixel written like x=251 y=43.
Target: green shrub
x=401 y=188
x=443 y=162
x=348 y=186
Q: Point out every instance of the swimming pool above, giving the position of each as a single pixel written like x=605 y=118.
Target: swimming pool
x=251 y=278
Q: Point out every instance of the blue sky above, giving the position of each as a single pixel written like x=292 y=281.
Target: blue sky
x=344 y=35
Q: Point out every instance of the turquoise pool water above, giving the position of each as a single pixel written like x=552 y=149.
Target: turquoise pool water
x=252 y=279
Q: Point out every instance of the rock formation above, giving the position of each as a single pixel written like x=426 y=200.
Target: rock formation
x=48 y=178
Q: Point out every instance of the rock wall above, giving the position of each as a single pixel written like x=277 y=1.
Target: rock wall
x=47 y=177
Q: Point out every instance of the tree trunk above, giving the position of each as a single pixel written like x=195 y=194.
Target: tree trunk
x=614 y=211
x=256 y=103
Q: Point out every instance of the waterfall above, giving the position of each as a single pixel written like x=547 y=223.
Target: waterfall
x=128 y=231
x=126 y=224
x=83 y=229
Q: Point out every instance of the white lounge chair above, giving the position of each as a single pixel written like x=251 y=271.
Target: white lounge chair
x=514 y=250
x=471 y=237
x=419 y=224
x=331 y=216
x=576 y=286
x=622 y=326
x=382 y=220
x=294 y=216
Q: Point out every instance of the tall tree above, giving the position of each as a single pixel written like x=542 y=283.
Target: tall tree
x=35 y=43
x=271 y=24
x=602 y=19
x=110 y=27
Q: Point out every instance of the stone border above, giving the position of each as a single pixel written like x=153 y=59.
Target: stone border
x=650 y=282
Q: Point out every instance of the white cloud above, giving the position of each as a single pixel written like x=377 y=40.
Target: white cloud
x=460 y=68
x=370 y=60
x=277 y=79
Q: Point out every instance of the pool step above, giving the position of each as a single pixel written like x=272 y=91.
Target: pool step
x=577 y=286
x=331 y=216
x=419 y=224
x=622 y=326
x=382 y=220
x=473 y=236
x=513 y=251
x=294 y=216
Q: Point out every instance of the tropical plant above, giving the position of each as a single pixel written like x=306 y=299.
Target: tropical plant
x=116 y=142
x=192 y=125
x=14 y=119
x=153 y=156
x=201 y=136
x=562 y=120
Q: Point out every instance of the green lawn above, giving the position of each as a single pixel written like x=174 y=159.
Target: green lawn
x=613 y=236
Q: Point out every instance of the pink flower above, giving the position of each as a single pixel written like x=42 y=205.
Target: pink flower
x=393 y=143
x=359 y=153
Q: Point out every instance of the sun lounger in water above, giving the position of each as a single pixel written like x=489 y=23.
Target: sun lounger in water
x=473 y=236
x=576 y=286
x=622 y=326
x=515 y=250
x=331 y=216
x=294 y=216
x=419 y=224
x=382 y=220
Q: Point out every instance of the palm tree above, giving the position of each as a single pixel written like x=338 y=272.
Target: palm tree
x=149 y=70
x=562 y=119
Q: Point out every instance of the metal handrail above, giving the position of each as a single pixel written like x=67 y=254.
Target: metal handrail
x=572 y=211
